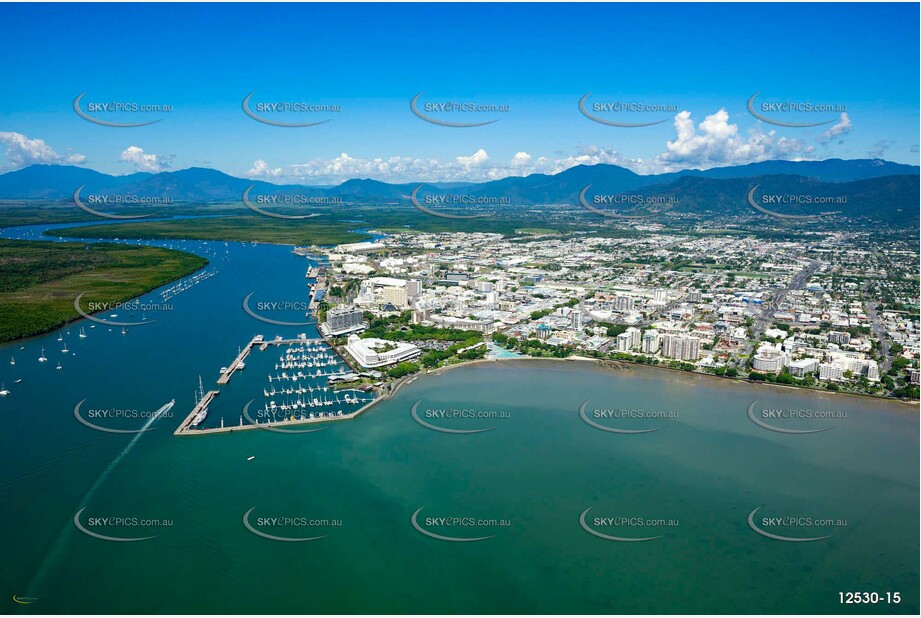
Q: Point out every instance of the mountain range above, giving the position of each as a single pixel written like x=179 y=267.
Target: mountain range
x=872 y=187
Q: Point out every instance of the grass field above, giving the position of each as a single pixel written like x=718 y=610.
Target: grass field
x=234 y=228
x=331 y=227
x=40 y=280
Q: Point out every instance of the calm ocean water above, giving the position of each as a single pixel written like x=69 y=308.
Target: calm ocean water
x=692 y=483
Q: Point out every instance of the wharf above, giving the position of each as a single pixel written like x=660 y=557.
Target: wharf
x=186 y=425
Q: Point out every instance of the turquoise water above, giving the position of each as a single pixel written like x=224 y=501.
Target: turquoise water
x=358 y=483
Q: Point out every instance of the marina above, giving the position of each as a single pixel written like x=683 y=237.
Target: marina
x=300 y=391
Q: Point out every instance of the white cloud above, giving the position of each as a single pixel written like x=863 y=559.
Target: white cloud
x=521 y=160
x=838 y=130
x=714 y=142
x=22 y=151
x=144 y=162
x=477 y=159
x=261 y=169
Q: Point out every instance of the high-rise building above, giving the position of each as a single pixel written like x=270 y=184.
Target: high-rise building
x=576 y=319
x=343 y=320
x=830 y=371
x=623 y=342
x=803 y=367
x=413 y=288
x=651 y=342
x=396 y=296
x=636 y=337
x=768 y=359
x=623 y=303
x=681 y=347
x=872 y=371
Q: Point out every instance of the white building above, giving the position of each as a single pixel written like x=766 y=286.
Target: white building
x=829 y=371
x=768 y=358
x=803 y=367
x=680 y=347
x=636 y=337
x=651 y=342
x=372 y=352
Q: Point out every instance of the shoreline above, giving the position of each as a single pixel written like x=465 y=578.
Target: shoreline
x=610 y=364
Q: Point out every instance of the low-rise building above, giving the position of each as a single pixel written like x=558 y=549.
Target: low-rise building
x=372 y=352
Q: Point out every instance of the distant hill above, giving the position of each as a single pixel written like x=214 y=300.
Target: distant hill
x=875 y=188
x=54 y=182
x=829 y=170
x=892 y=199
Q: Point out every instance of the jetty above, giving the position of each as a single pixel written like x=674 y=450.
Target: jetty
x=238 y=361
x=186 y=425
x=260 y=341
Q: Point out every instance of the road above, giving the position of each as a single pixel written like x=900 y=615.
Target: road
x=885 y=357
x=771 y=305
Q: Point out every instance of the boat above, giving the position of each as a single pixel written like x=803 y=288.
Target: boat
x=12 y=360
x=201 y=416
x=123 y=330
x=82 y=333
x=42 y=358
x=203 y=413
x=64 y=349
x=250 y=458
x=17 y=381
x=3 y=390
x=59 y=365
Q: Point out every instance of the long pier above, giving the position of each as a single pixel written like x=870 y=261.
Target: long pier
x=185 y=427
x=272 y=425
x=225 y=377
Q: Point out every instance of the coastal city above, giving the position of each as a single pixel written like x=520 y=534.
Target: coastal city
x=451 y=309
x=792 y=313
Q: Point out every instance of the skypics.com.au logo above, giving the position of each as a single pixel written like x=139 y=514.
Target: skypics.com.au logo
x=262 y=111
x=290 y=200
x=436 y=112
x=603 y=112
x=771 y=111
x=118 y=109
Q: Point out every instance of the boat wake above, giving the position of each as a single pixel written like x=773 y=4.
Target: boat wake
x=61 y=539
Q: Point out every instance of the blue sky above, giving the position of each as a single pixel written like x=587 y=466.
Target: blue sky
x=703 y=61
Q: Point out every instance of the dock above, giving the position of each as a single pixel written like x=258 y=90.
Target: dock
x=263 y=344
x=185 y=426
x=225 y=377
